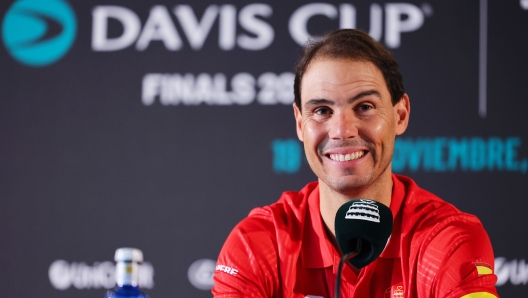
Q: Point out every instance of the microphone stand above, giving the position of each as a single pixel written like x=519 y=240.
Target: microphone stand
x=345 y=258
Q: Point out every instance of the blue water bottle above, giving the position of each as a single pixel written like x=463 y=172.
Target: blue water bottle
x=127 y=274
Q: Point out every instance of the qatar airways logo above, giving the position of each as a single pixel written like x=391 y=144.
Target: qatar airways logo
x=247 y=28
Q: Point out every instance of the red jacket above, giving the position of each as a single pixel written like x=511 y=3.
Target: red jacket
x=282 y=250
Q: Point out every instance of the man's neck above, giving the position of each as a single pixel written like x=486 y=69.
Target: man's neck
x=331 y=200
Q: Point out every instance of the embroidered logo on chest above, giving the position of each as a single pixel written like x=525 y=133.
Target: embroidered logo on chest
x=394 y=292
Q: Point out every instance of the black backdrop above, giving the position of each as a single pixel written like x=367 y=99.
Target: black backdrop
x=146 y=147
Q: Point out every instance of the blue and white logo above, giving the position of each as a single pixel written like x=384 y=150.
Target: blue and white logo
x=39 y=32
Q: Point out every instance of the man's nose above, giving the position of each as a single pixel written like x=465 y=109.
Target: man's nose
x=343 y=126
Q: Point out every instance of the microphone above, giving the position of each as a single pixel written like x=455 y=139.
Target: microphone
x=362 y=228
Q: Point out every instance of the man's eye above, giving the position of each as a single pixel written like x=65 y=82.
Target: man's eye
x=365 y=107
x=322 y=111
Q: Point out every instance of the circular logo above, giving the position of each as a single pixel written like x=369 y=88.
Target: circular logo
x=201 y=274
x=39 y=32
x=59 y=275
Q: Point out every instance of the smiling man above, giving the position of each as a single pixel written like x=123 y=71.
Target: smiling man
x=349 y=107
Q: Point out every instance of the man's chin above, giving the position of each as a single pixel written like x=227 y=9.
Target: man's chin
x=348 y=184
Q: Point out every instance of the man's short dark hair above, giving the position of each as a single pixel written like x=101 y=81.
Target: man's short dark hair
x=354 y=45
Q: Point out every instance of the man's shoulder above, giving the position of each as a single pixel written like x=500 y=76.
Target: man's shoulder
x=286 y=215
x=426 y=212
x=420 y=201
x=291 y=204
x=258 y=244
x=444 y=245
x=267 y=231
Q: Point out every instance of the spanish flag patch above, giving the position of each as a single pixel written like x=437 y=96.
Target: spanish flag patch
x=483 y=268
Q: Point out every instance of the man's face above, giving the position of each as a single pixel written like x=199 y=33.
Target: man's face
x=348 y=123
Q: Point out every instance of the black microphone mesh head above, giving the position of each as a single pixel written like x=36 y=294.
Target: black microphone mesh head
x=363 y=219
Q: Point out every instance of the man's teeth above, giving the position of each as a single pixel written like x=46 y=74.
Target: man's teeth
x=347 y=157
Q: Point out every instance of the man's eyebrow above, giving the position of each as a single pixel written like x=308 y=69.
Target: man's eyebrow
x=318 y=101
x=364 y=94
x=323 y=101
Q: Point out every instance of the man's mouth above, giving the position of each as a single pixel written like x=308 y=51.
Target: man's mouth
x=346 y=157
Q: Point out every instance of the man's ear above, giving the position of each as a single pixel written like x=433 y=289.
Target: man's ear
x=298 y=121
x=402 y=112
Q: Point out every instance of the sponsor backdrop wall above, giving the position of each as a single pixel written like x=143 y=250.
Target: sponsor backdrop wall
x=161 y=124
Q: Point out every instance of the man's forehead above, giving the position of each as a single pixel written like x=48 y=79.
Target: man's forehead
x=330 y=73
x=318 y=61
